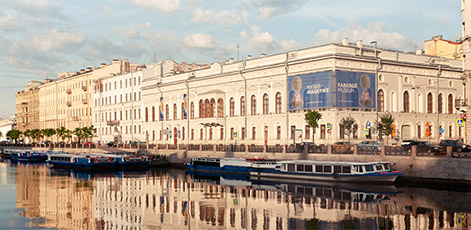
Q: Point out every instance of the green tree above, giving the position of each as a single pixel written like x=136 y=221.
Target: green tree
x=348 y=124
x=61 y=132
x=312 y=118
x=27 y=133
x=49 y=132
x=78 y=132
x=13 y=135
x=35 y=134
x=384 y=126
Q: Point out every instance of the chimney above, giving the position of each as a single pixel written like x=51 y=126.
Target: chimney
x=249 y=57
x=360 y=44
x=102 y=65
x=345 y=41
x=419 y=52
x=263 y=55
x=231 y=60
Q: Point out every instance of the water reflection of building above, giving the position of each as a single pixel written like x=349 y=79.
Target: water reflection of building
x=64 y=202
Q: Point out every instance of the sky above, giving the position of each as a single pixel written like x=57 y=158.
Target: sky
x=39 y=38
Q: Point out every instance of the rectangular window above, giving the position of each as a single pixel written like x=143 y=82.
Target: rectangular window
x=254 y=134
x=291 y=167
x=337 y=169
x=419 y=131
x=243 y=133
x=319 y=168
x=192 y=134
x=300 y=168
x=232 y=131
x=221 y=133
x=278 y=132
x=293 y=127
x=327 y=169
x=307 y=134
x=201 y=134
x=308 y=168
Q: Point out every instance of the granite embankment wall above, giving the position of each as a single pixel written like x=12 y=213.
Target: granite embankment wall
x=423 y=167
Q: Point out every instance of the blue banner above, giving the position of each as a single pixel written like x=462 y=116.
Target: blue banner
x=185 y=106
x=161 y=108
x=355 y=90
x=313 y=90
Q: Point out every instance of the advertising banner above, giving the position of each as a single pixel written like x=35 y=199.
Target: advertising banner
x=161 y=108
x=185 y=106
x=313 y=90
x=355 y=90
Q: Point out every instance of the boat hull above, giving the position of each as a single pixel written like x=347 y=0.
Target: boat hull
x=28 y=159
x=224 y=169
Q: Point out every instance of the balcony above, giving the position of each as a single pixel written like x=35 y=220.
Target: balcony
x=84 y=101
x=69 y=103
x=68 y=91
x=84 y=87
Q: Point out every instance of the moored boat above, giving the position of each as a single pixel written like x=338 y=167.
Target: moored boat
x=81 y=161
x=130 y=161
x=228 y=165
x=157 y=160
x=28 y=156
x=304 y=171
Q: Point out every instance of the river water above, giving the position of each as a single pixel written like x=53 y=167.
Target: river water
x=37 y=196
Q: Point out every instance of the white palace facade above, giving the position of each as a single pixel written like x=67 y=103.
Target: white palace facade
x=263 y=100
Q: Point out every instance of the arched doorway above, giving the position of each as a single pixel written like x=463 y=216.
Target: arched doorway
x=406 y=132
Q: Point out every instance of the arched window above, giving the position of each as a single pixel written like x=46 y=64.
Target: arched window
x=253 y=105
x=380 y=100
x=242 y=106
x=220 y=107
x=166 y=112
x=147 y=114
x=450 y=104
x=192 y=110
x=231 y=107
x=440 y=103
x=265 y=103
x=429 y=103
x=206 y=108
x=278 y=102
x=212 y=107
x=201 y=109
x=174 y=111
x=406 y=102
x=153 y=113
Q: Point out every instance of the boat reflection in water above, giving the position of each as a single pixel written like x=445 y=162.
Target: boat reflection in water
x=172 y=199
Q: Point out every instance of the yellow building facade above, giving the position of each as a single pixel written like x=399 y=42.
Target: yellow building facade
x=437 y=46
x=27 y=106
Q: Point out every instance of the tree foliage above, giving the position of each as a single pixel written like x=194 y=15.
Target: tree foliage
x=312 y=118
x=13 y=134
x=384 y=125
x=348 y=125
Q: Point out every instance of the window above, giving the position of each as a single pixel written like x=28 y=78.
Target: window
x=429 y=103
x=253 y=105
x=232 y=131
x=278 y=103
x=292 y=131
x=450 y=131
x=183 y=133
x=192 y=134
x=307 y=133
x=278 y=132
x=201 y=109
x=212 y=108
x=440 y=103
x=174 y=111
x=192 y=110
x=254 y=134
x=242 y=136
x=242 y=106
x=166 y=112
x=406 y=102
x=210 y=133
x=221 y=134
x=153 y=113
x=231 y=107
x=220 y=107
x=265 y=104
x=419 y=131
x=201 y=134
x=322 y=132
x=380 y=100
x=450 y=104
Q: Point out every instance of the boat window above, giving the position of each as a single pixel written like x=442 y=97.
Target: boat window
x=308 y=168
x=291 y=167
x=308 y=191
x=386 y=166
x=337 y=169
x=369 y=168
x=319 y=168
x=300 y=168
x=346 y=169
x=379 y=167
x=291 y=188
x=327 y=168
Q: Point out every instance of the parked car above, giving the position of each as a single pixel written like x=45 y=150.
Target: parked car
x=407 y=144
x=111 y=144
x=45 y=142
x=425 y=146
x=457 y=146
x=370 y=144
x=343 y=146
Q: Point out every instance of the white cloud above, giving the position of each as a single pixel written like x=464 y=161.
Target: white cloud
x=224 y=17
x=147 y=24
x=201 y=41
x=167 y=6
x=271 y=8
x=262 y=41
x=34 y=8
x=9 y=22
x=376 y=32
x=243 y=34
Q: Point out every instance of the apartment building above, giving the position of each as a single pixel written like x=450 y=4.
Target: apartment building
x=27 y=106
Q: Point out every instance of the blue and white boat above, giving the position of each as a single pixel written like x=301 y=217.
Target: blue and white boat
x=28 y=156
x=131 y=161
x=228 y=165
x=302 y=171
x=81 y=161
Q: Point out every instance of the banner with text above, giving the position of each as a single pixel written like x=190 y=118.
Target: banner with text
x=313 y=90
x=355 y=90
x=161 y=108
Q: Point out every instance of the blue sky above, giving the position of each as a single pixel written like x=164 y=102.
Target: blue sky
x=40 y=38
